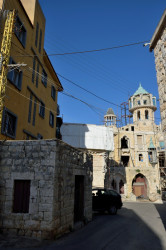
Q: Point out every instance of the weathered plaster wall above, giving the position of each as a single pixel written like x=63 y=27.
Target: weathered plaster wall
x=51 y=166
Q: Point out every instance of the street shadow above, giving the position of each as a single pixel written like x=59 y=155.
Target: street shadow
x=124 y=231
x=161 y=208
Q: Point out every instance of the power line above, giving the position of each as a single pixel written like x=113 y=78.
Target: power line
x=90 y=51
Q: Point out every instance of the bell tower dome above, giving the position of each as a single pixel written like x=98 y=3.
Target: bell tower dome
x=142 y=105
x=110 y=118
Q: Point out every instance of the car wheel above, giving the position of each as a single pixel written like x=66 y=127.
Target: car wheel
x=112 y=210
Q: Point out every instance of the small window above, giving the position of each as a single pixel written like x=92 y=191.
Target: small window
x=140 y=157
x=21 y=196
x=146 y=114
x=132 y=128
x=138 y=115
x=44 y=78
x=37 y=76
x=145 y=102
x=34 y=112
x=53 y=92
x=42 y=109
x=15 y=75
x=51 y=120
x=33 y=72
x=37 y=32
x=40 y=41
x=30 y=108
x=20 y=31
x=139 y=103
x=9 y=123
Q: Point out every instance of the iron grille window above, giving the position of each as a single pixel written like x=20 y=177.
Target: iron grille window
x=9 y=123
x=15 y=75
x=42 y=109
x=21 y=196
x=44 y=78
x=51 y=119
x=53 y=92
x=20 y=31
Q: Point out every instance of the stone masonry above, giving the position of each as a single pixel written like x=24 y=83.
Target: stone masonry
x=51 y=167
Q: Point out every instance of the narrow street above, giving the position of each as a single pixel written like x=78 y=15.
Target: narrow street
x=136 y=226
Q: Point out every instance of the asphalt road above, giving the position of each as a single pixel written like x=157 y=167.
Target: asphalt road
x=136 y=226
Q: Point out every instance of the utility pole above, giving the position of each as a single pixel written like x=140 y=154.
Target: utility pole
x=4 y=56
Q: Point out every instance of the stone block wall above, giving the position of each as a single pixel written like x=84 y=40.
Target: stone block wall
x=50 y=166
x=160 y=61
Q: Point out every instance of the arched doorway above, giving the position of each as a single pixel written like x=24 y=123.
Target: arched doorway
x=140 y=186
x=121 y=187
x=113 y=184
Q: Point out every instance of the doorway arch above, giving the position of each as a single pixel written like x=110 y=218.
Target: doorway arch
x=140 y=186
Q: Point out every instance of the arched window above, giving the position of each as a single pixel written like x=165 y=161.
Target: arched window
x=124 y=142
x=146 y=114
x=138 y=115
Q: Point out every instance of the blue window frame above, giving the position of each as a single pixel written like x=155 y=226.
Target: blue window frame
x=42 y=109
x=44 y=78
x=15 y=75
x=20 y=31
x=37 y=75
x=34 y=112
x=51 y=120
x=53 y=92
x=9 y=123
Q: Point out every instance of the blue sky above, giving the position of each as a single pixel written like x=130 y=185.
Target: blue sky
x=81 y=25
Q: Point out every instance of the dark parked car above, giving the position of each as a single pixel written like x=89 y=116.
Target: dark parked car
x=106 y=200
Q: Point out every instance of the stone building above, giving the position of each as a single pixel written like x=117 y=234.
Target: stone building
x=97 y=140
x=45 y=187
x=30 y=109
x=133 y=170
x=158 y=45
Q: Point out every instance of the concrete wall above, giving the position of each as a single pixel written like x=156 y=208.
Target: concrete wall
x=88 y=136
x=51 y=166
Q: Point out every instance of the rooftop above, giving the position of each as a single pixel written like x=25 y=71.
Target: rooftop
x=140 y=90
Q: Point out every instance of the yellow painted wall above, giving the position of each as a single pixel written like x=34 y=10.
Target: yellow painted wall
x=18 y=101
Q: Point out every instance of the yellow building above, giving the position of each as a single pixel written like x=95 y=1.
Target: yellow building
x=134 y=165
x=30 y=104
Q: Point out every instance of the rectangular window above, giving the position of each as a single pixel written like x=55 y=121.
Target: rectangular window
x=15 y=75
x=44 y=78
x=34 y=112
x=33 y=72
x=139 y=141
x=53 y=92
x=42 y=109
x=139 y=103
x=30 y=108
x=9 y=123
x=21 y=196
x=37 y=32
x=37 y=75
x=40 y=41
x=145 y=102
x=51 y=120
x=20 y=31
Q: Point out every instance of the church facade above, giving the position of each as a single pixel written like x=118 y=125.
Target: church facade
x=134 y=167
